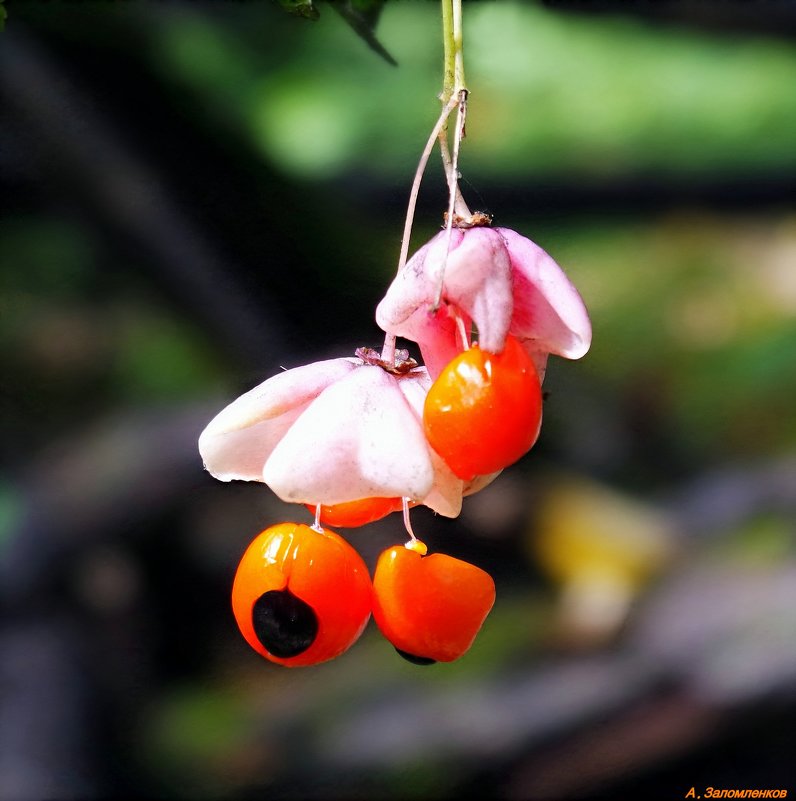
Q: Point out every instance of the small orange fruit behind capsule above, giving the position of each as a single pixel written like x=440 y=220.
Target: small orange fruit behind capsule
x=357 y=513
x=484 y=410
x=430 y=607
x=300 y=596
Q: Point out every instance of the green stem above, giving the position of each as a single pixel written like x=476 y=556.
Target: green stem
x=458 y=48
x=453 y=91
x=452 y=85
x=453 y=52
x=449 y=51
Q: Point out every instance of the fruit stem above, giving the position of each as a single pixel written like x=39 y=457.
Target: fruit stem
x=421 y=168
x=388 y=351
x=316 y=526
x=453 y=188
x=462 y=331
x=461 y=209
x=414 y=543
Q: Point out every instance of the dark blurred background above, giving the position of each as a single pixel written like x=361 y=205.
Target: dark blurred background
x=196 y=194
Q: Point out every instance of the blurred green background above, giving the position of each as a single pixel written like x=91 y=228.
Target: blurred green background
x=196 y=194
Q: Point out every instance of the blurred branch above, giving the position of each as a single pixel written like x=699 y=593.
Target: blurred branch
x=113 y=476
x=125 y=195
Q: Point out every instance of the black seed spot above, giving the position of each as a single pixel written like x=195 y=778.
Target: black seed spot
x=416 y=660
x=283 y=623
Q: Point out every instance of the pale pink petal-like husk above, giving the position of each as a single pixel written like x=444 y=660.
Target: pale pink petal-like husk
x=549 y=314
x=358 y=439
x=478 y=483
x=404 y=309
x=439 y=340
x=477 y=280
x=239 y=439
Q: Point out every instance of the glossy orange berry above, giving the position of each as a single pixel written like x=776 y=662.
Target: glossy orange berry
x=484 y=410
x=357 y=513
x=430 y=607
x=300 y=596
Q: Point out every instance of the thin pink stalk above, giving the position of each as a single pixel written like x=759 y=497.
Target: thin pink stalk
x=388 y=350
x=453 y=185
